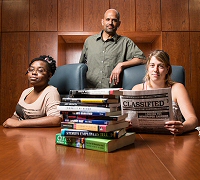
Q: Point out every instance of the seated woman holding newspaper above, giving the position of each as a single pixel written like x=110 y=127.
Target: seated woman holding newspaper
x=37 y=106
x=158 y=76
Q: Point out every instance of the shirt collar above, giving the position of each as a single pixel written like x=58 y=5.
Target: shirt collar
x=114 y=38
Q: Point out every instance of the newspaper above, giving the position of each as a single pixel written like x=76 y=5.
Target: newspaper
x=147 y=110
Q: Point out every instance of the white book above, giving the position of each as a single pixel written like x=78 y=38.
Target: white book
x=85 y=108
x=103 y=91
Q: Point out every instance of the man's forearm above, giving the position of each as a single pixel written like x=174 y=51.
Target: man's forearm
x=133 y=62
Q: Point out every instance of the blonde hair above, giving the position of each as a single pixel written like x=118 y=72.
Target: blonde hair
x=163 y=57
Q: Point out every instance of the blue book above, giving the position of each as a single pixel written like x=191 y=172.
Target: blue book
x=87 y=113
x=88 y=121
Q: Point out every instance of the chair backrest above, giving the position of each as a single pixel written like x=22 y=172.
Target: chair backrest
x=69 y=77
x=134 y=75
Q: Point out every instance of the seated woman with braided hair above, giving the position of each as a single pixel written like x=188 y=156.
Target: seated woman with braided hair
x=37 y=106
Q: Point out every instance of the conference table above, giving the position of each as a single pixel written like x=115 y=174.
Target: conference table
x=31 y=153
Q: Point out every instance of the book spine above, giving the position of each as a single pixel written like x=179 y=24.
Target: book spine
x=67 y=117
x=96 y=121
x=78 y=142
x=90 y=113
x=82 y=100
x=91 y=92
x=82 y=104
x=84 y=108
x=81 y=126
x=85 y=133
x=81 y=143
x=94 y=113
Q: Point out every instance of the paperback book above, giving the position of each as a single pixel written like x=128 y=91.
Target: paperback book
x=98 y=144
x=86 y=121
x=91 y=100
x=87 y=108
x=94 y=113
x=95 y=127
x=70 y=116
x=84 y=133
x=104 y=91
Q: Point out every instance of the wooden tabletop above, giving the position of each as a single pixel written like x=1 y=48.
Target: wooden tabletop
x=31 y=153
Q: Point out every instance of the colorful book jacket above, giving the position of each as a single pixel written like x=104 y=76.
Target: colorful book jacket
x=91 y=100
x=104 y=91
x=95 y=127
x=86 y=121
x=114 y=105
x=84 y=133
x=69 y=116
x=86 y=108
x=95 y=113
x=98 y=144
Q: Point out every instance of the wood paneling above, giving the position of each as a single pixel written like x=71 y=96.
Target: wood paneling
x=93 y=13
x=148 y=15
x=157 y=43
x=195 y=69
x=14 y=64
x=15 y=15
x=0 y=14
x=43 y=43
x=145 y=47
x=127 y=13
x=70 y=15
x=61 y=51
x=194 y=10
x=175 y=15
x=137 y=37
x=73 y=53
x=177 y=45
x=43 y=15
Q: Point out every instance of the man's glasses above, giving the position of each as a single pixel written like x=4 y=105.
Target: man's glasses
x=40 y=70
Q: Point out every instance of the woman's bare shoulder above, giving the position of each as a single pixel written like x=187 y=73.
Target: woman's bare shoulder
x=138 y=87
x=178 y=86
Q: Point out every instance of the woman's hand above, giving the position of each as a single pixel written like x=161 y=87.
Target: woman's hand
x=10 y=122
x=175 y=127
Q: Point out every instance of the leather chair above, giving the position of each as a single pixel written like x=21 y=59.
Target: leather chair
x=69 y=77
x=134 y=75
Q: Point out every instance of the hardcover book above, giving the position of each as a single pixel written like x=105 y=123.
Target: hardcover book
x=114 y=105
x=95 y=127
x=88 y=121
x=69 y=116
x=104 y=91
x=95 y=113
x=98 y=144
x=91 y=100
x=87 y=108
x=84 y=133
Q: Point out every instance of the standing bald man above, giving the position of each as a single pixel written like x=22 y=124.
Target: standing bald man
x=107 y=54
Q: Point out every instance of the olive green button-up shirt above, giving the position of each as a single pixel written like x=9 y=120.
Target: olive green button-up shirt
x=102 y=57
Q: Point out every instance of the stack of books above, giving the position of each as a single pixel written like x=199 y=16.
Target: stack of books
x=92 y=119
